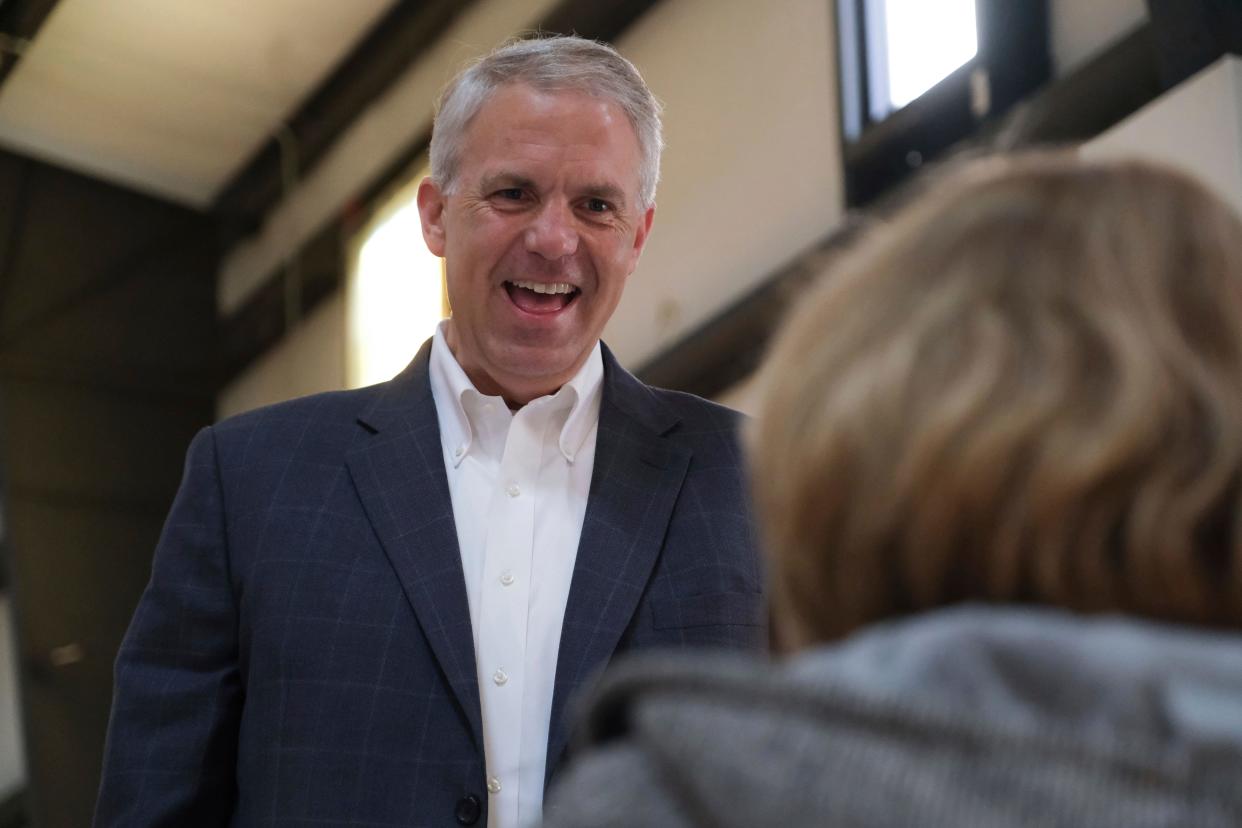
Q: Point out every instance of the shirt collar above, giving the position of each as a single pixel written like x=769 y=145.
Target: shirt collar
x=452 y=389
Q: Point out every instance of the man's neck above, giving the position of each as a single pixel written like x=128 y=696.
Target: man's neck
x=516 y=393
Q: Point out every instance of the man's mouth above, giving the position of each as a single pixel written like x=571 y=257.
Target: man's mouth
x=541 y=297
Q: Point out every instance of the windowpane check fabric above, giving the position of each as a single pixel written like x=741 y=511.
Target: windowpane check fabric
x=304 y=655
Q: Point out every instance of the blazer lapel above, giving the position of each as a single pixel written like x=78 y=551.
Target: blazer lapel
x=636 y=480
x=399 y=475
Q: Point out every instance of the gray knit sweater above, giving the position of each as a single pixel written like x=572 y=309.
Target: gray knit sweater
x=971 y=716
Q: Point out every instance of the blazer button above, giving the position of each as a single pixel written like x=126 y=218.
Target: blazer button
x=468 y=810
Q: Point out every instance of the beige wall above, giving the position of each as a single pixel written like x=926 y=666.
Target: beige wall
x=1196 y=127
x=751 y=175
x=752 y=170
x=310 y=359
x=1081 y=29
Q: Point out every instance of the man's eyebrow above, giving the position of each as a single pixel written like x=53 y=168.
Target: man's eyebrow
x=505 y=180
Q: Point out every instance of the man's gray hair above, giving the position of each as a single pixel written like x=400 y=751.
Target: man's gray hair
x=548 y=64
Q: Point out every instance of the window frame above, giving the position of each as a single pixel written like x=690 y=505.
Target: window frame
x=1012 y=60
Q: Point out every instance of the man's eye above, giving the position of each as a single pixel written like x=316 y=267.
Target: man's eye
x=510 y=193
x=598 y=205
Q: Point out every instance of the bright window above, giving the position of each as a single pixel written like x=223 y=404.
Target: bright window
x=920 y=43
x=396 y=292
x=917 y=77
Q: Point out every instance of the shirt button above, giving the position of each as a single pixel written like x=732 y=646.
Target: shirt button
x=493 y=785
x=500 y=677
x=507 y=578
x=514 y=490
x=459 y=451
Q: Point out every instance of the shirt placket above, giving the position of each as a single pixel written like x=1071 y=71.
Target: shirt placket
x=503 y=616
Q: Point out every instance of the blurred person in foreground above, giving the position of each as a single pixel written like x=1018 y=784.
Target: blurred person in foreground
x=998 y=467
x=371 y=607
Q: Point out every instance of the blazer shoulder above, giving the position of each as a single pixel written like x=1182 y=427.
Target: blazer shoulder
x=320 y=425
x=698 y=414
x=664 y=411
x=325 y=406
x=338 y=412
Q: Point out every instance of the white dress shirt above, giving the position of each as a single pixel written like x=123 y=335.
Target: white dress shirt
x=519 y=483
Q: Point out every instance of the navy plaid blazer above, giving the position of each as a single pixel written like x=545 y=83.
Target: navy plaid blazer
x=303 y=653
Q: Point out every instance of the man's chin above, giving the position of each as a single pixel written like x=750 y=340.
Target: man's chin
x=530 y=367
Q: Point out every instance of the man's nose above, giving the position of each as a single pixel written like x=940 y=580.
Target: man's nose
x=551 y=233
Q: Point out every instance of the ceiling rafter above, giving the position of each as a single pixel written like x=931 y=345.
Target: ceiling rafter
x=393 y=43
x=260 y=322
x=19 y=22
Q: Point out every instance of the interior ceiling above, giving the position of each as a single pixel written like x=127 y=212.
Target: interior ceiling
x=171 y=98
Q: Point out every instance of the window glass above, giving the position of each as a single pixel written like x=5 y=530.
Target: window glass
x=924 y=41
x=396 y=292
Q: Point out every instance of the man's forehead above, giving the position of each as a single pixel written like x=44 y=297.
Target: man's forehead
x=522 y=136
x=522 y=105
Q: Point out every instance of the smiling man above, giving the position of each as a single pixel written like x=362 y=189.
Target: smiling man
x=541 y=218
x=374 y=607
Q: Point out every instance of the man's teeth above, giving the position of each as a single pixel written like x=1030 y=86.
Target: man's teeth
x=544 y=287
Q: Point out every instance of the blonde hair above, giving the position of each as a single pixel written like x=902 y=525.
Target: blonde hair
x=1026 y=388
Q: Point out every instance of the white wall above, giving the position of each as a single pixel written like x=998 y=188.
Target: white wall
x=751 y=175
x=1082 y=28
x=752 y=170
x=1196 y=127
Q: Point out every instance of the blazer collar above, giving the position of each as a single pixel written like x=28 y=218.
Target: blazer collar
x=635 y=400
x=408 y=394
x=638 y=474
x=637 y=478
x=400 y=478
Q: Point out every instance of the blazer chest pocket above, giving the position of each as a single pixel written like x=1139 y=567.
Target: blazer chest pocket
x=743 y=609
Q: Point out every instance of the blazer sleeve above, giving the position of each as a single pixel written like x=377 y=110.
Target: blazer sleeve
x=171 y=750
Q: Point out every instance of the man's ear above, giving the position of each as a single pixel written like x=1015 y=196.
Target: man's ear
x=431 y=213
